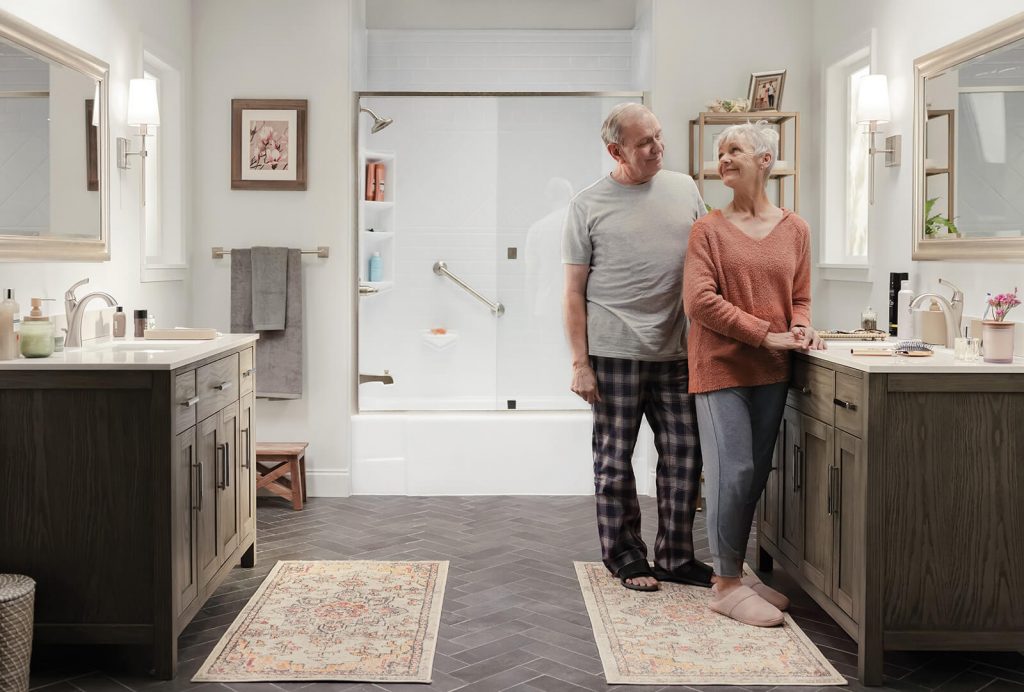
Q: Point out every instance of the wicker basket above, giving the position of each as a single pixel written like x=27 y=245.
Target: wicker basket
x=17 y=594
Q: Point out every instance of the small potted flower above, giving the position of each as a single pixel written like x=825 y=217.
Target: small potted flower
x=997 y=333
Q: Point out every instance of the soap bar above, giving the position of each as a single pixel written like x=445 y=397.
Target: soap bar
x=181 y=333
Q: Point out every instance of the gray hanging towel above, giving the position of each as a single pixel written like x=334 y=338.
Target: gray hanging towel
x=269 y=287
x=278 y=352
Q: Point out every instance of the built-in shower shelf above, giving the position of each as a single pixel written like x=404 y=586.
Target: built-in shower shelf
x=379 y=234
x=439 y=341
x=381 y=286
x=378 y=205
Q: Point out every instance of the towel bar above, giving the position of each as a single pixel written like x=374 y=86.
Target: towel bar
x=321 y=251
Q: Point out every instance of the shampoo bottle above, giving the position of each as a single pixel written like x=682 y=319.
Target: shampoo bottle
x=905 y=320
x=120 y=321
x=376 y=270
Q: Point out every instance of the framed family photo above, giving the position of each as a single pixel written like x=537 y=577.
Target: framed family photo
x=765 y=93
x=268 y=144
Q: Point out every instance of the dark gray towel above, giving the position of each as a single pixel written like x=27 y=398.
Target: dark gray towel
x=278 y=352
x=269 y=287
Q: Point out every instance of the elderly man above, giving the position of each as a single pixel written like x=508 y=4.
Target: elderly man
x=623 y=248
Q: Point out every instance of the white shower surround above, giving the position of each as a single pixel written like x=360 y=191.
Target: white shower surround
x=472 y=177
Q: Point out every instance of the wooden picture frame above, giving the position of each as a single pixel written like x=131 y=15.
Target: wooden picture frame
x=92 y=157
x=268 y=144
x=765 y=91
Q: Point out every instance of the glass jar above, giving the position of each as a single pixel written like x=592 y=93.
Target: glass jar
x=869 y=320
x=36 y=338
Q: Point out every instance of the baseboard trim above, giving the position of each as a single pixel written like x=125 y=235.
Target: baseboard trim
x=329 y=483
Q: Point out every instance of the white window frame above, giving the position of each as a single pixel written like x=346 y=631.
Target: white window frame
x=163 y=247
x=841 y=135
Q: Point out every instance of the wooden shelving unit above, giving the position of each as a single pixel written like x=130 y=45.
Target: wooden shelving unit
x=702 y=130
x=950 y=167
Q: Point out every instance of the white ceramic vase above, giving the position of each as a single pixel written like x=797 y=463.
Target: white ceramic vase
x=997 y=340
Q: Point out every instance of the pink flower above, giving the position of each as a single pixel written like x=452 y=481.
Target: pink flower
x=1002 y=303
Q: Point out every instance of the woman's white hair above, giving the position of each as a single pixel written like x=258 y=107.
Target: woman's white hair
x=611 y=130
x=760 y=135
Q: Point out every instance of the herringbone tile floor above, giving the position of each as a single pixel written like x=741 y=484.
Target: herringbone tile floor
x=513 y=616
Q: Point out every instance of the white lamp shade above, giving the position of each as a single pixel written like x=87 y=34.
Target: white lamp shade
x=142 y=105
x=873 y=99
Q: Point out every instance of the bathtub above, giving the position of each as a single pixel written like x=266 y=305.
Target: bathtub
x=481 y=453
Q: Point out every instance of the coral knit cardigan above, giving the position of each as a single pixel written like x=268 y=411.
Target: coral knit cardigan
x=736 y=290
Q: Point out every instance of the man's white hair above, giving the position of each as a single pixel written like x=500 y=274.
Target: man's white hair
x=760 y=135
x=611 y=130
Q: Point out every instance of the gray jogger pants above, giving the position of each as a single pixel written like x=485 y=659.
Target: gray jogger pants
x=738 y=427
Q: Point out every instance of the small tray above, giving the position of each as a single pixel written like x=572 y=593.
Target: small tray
x=854 y=335
x=180 y=333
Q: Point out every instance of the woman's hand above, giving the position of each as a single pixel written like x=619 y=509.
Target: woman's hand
x=809 y=339
x=781 y=341
x=584 y=383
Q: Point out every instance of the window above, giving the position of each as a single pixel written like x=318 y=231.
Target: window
x=163 y=248
x=846 y=165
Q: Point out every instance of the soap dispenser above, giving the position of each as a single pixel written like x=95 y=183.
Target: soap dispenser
x=36 y=333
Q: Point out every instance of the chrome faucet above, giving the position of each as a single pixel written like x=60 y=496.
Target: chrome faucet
x=74 y=310
x=386 y=378
x=952 y=310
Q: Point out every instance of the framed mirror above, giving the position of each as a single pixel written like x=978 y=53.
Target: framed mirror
x=54 y=182
x=969 y=147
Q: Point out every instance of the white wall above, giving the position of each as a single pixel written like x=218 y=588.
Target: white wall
x=111 y=30
x=906 y=30
x=280 y=49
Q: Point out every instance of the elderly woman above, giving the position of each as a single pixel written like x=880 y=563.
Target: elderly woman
x=746 y=290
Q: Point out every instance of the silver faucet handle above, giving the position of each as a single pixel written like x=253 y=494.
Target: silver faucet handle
x=70 y=293
x=958 y=295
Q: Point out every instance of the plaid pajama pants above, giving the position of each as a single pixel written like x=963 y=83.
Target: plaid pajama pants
x=629 y=390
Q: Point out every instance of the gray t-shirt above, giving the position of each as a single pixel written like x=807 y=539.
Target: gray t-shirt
x=634 y=239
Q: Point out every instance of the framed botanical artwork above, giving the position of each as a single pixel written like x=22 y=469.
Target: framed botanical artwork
x=765 y=93
x=268 y=144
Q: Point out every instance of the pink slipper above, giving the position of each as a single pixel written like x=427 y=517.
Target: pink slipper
x=779 y=600
x=744 y=605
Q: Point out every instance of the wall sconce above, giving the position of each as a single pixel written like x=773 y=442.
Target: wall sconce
x=143 y=112
x=873 y=108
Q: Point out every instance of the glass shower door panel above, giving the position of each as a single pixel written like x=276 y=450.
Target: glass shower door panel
x=549 y=148
x=435 y=339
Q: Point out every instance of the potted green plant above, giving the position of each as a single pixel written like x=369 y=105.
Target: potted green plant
x=936 y=225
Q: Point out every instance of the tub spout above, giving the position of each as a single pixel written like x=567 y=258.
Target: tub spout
x=386 y=378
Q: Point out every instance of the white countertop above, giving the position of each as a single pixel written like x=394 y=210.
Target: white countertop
x=941 y=362
x=132 y=354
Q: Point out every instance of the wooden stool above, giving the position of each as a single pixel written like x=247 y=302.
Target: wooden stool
x=274 y=461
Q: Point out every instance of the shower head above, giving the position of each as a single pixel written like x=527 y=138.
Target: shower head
x=379 y=123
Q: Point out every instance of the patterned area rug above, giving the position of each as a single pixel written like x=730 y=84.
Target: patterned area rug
x=671 y=637
x=335 y=620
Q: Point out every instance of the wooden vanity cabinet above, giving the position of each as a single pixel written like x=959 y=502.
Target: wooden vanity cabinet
x=128 y=495
x=895 y=501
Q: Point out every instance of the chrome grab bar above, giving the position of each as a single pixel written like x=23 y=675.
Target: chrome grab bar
x=441 y=269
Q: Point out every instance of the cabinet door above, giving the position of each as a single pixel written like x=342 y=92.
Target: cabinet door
x=208 y=457
x=246 y=457
x=791 y=523
x=848 y=516
x=768 y=512
x=227 y=480
x=183 y=510
x=817 y=456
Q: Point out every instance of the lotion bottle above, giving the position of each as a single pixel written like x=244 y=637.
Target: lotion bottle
x=904 y=319
x=8 y=337
x=120 y=322
x=376 y=268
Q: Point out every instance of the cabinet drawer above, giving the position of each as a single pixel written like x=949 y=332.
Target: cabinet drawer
x=812 y=390
x=185 y=401
x=246 y=371
x=217 y=385
x=849 y=404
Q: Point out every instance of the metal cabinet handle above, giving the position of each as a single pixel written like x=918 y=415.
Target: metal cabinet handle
x=199 y=482
x=222 y=386
x=803 y=389
x=220 y=462
x=849 y=406
x=247 y=373
x=797 y=463
x=248 y=449
x=191 y=402
x=227 y=464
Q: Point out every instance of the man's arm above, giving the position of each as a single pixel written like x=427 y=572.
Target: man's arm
x=574 y=307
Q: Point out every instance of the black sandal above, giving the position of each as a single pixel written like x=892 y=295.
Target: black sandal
x=637 y=568
x=695 y=573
